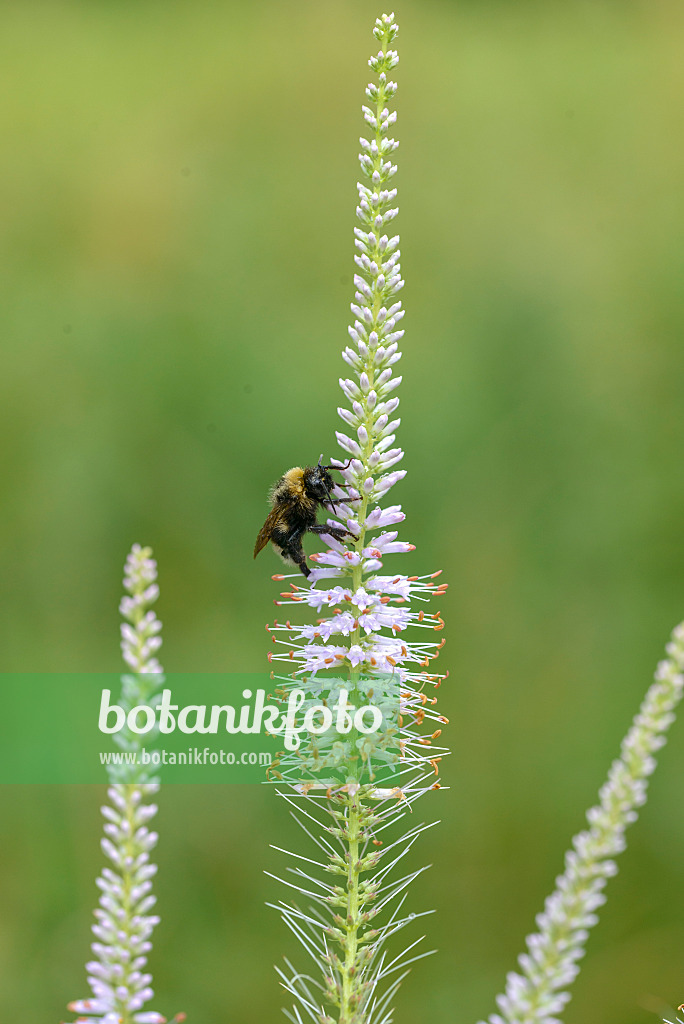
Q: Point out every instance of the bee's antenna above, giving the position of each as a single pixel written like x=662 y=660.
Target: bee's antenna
x=320 y=460
x=346 y=465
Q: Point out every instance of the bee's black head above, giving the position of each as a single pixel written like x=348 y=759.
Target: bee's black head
x=319 y=482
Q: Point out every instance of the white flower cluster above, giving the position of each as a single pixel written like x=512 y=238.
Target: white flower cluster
x=538 y=994
x=140 y=634
x=124 y=925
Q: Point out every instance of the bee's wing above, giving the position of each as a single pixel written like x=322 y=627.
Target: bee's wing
x=274 y=517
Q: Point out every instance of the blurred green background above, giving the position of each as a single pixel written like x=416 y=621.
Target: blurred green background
x=178 y=184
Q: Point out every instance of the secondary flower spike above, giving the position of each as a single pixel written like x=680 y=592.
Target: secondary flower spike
x=539 y=992
x=124 y=920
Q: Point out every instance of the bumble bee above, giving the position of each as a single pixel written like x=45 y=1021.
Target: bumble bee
x=295 y=499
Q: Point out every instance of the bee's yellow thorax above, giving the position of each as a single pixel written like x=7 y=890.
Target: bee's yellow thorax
x=295 y=477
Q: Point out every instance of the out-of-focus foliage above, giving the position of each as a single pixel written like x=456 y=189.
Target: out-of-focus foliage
x=177 y=185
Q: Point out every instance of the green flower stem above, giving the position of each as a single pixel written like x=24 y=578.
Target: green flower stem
x=351 y=932
x=349 y=1002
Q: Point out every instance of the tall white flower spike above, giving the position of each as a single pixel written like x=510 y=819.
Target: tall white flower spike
x=358 y=826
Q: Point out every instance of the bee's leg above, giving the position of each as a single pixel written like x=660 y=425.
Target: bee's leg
x=338 y=532
x=299 y=558
x=292 y=549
